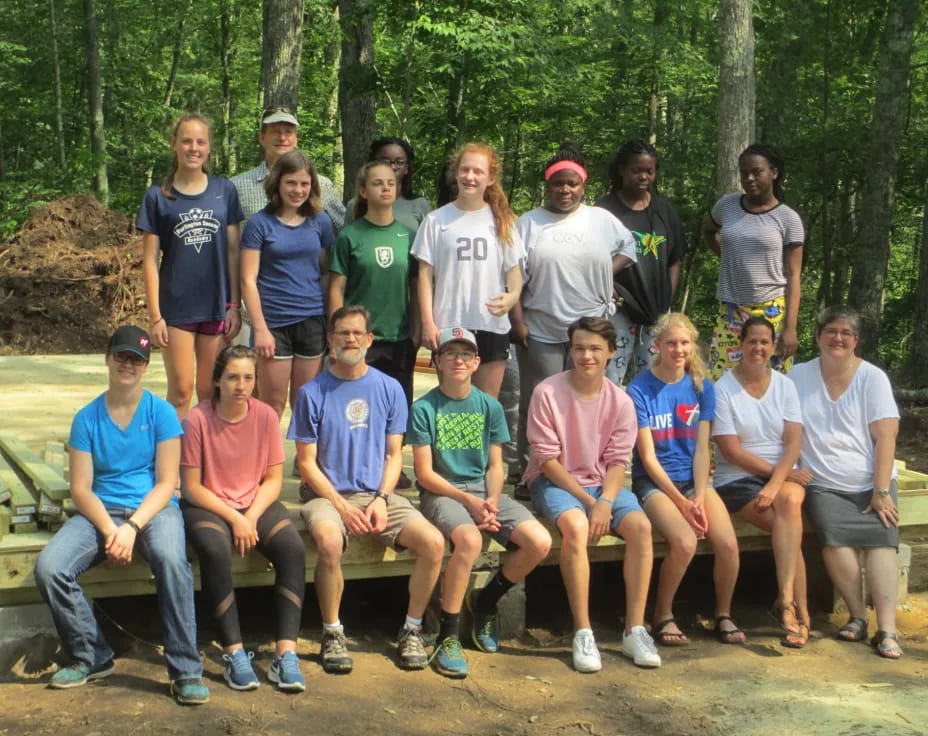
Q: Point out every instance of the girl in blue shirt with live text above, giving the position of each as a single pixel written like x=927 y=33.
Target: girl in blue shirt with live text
x=675 y=402
x=190 y=234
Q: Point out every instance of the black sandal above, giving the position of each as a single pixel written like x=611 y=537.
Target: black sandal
x=731 y=636
x=886 y=644
x=854 y=630
x=669 y=638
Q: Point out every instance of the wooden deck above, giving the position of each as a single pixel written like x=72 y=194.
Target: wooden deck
x=365 y=558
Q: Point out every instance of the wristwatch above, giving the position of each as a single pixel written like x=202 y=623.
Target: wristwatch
x=883 y=493
x=381 y=494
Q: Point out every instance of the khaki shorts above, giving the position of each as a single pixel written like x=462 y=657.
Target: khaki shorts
x=399 y=513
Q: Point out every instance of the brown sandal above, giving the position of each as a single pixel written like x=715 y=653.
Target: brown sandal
x=669 y=638
x=797 y=639
x=730 y=636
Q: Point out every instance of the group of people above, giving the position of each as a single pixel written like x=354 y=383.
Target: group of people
x=338 y=304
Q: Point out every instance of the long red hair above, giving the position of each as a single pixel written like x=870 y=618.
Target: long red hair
x=503 y=216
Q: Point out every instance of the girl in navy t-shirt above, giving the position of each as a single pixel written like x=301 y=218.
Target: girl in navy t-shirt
x=285 y=254
x=675 y=402
x=190 y=234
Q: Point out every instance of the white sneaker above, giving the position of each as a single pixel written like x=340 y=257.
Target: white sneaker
x=586 y=655
x=639 y=646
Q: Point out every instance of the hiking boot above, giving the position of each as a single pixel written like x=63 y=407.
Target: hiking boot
x=335 y=657
x=485 y=627
x=411 y=650
x=77 y=674
x=585 y=654
x=190 y=691
x=285 y=673
x=238 y=672
x=448 y=659
x=639 y=646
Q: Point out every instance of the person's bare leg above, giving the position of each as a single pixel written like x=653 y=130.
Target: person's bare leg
x=724 y=543
x=273 y=380
x=429 y=545
x=467 y=542
x=328 y=579
x=575 y=564
x=206 y=348
x=883 y=581
x=844 y=570
x=303 y=370
x=667 y=521
x=533 y=544
x=178 y=358
x=635 y=529
x=489 y=377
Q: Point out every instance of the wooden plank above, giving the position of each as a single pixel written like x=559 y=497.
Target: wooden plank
x=5 y=517
x=55 y=455
x=21 y=500
x=5 y=492
x=45 y=478
x=25 y=528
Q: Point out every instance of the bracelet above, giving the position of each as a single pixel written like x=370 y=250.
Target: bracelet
x=233 y=305
x=138 y=529
x=160 y=319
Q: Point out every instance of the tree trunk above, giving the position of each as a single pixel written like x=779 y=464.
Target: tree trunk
x=736 y=90
x=356 y=84
x=454 y=106
x=918 y=343
x=871 y=253
x=283 y=45
x=842 y=247
x=95 y=98
x=333 y=62
x=56 y=62
x=183 y=12
x=226 y=57
x=826 y=193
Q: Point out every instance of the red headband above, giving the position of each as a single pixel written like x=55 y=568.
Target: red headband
x=561 y=165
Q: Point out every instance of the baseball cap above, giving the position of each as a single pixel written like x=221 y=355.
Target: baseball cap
x=456 y=334
x=131 y=339
x=278 y=114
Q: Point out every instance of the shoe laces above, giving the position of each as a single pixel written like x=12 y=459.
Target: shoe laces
x=239 y=661
x=587 y=644
x=451 y=647
x=643 y=640
x=487 y=626
x=335 y=643
x=410 y=642
x=288 y=664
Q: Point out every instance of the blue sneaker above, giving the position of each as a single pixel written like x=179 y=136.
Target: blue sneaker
x=285 y=672
x=77 y=675
x=190 y=691
x=485 y=627
x=239 y=673
x=448 y=659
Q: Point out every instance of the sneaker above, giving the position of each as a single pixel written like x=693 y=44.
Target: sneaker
x=285 y=672
x=639 y=646
x=238 y=672
x=448 y=659
x=411 y=649
x=334 y=652
x=77 y=675
x=586 y=655
x=190 y=691
x=521 y=492
x=485 y=627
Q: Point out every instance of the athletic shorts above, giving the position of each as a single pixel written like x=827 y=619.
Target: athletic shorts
x=739 y=493
x=304 y=339
x=643 y=487
x=203 y=328
x=492 y=345
x=448 y=514
x=399 y=513
x=397 y=359
x=551 y=501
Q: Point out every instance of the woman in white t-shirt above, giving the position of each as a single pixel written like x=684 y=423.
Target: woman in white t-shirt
x=758 y=432
x=850 y=421
x=469 y=257
x=760 y=240
x=572 y=251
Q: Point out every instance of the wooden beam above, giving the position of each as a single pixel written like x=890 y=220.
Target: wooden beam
x=21 y=499
x=45 y=478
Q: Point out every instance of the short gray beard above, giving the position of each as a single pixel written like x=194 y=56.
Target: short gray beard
x=341 y=358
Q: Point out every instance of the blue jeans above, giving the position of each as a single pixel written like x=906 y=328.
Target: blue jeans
x=78 y=546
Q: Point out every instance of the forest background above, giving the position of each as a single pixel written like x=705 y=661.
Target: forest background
x=88 y=90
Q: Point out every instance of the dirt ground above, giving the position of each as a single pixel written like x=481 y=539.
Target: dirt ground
x=760 y=689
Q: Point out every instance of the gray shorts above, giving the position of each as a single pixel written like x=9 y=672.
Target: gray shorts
x=399 y=513
x=447 y=514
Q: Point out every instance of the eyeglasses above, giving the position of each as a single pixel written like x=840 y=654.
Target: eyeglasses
x=344 y=334
x=835 y=332
x=463 y=356
x=396 y=163
x=133 y=358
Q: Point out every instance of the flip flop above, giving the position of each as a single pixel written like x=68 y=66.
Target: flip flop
x=886 y=644
x=668 y=638
x=778 y=612
x=731 y=636
x=854 y=630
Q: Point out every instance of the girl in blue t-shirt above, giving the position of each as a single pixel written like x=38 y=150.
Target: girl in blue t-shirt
x=675 y=402
x=190 y=234
x=284 y=258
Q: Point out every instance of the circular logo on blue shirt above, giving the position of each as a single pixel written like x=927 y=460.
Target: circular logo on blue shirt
x=357 y=411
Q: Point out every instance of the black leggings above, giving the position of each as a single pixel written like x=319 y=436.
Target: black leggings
x=278 y=540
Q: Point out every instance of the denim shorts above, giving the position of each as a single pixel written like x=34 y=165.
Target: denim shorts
x=643 y=487
x=551 y=501
x=740 y=492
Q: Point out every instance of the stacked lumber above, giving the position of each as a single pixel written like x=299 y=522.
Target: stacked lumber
x=37 y=489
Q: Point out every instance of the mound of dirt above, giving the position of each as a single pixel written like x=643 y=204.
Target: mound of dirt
x=69 y=276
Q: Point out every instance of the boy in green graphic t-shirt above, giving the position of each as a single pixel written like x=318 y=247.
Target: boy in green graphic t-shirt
x=456 y=432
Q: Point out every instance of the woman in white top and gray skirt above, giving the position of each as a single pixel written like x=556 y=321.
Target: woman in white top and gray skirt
x=850 y=421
